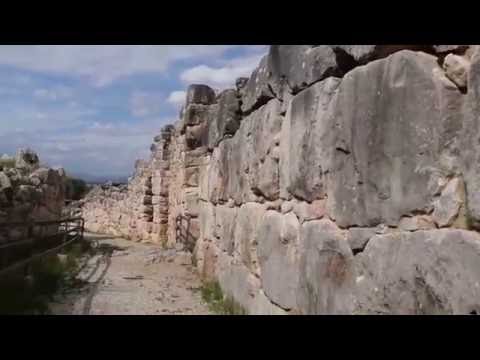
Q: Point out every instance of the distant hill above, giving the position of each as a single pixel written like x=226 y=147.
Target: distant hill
x=99 y=179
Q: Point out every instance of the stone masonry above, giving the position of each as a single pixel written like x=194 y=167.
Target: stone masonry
x=29 y=193
x=337 y=179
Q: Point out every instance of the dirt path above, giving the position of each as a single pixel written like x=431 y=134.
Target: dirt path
x=127 y=278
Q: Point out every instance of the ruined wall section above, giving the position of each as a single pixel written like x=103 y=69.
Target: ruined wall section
x=337 y=179
x=29 y=193
x=139 y=210
x=347 y=186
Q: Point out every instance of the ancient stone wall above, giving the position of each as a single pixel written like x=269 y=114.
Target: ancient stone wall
x=28 y=192
x=335 y=180
x=139 y=210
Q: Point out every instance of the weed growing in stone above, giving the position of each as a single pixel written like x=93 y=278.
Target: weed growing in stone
x=217 y=302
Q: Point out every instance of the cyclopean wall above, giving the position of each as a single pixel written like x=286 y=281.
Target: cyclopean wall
x=336 y=180
x=139 y=210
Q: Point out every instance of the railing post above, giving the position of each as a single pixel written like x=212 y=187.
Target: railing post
x=82 y=224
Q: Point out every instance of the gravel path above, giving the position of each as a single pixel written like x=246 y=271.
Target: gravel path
x=128 y=278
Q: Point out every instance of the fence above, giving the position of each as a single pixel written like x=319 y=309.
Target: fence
x=38 y=239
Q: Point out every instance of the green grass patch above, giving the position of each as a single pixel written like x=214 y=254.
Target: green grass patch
x=31 y=294
x=219 y=303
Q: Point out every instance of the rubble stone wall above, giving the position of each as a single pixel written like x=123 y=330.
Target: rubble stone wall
x=28 y=193
x=138 y=210
x=337 y=179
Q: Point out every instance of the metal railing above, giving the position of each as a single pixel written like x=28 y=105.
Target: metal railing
x=38 y=239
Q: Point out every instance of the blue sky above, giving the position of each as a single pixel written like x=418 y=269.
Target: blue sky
x=95 y=109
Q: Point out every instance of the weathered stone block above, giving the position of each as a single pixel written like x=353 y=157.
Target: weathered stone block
x=225 y=219
x=305 y=211
x=449 y=204
x=327 y=270
x=200 y=94
x=306 y=141
x=418 y=222
x=456 y=68
x=196 y=114
x=423 y=272
x=390 y=118
x=278 y=258
x=191 y=176
x=257 y=92
x=249 y=216
x=191 y=203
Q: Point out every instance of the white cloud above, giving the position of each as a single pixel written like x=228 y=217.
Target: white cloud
x=99 y=149
x=103 y=64
x=97 y=125
x=37 y=118
x=53 y=94
x=223 y=76
x=66 y=123
x=145 y=103
x=177 y=98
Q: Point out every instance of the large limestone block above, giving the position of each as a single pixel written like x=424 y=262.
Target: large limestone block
x=261 y=305
x=288 y=69
x=196 y=157
x=278 y=256
x=306 y=141
x=423 y=272
x=309 y=211
x=261 y=159
x=265 y=179
x=295 y=67
x=211 y=181
x=207 y=221
x=191 y=176
x=196 y=114
x=249 y=217
x=200 y=94
x=449 y=48
x=196 y=136
x=237 y=281
x=191 y=203
x=365 y=53
x=230 y=171
x=456 y=68
x=470 y=148
x=396 y=124
x=224 y=118
x=417 y=222
x=257 y=92
x=202 y=180
x=327 y=270
x=225 y=219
